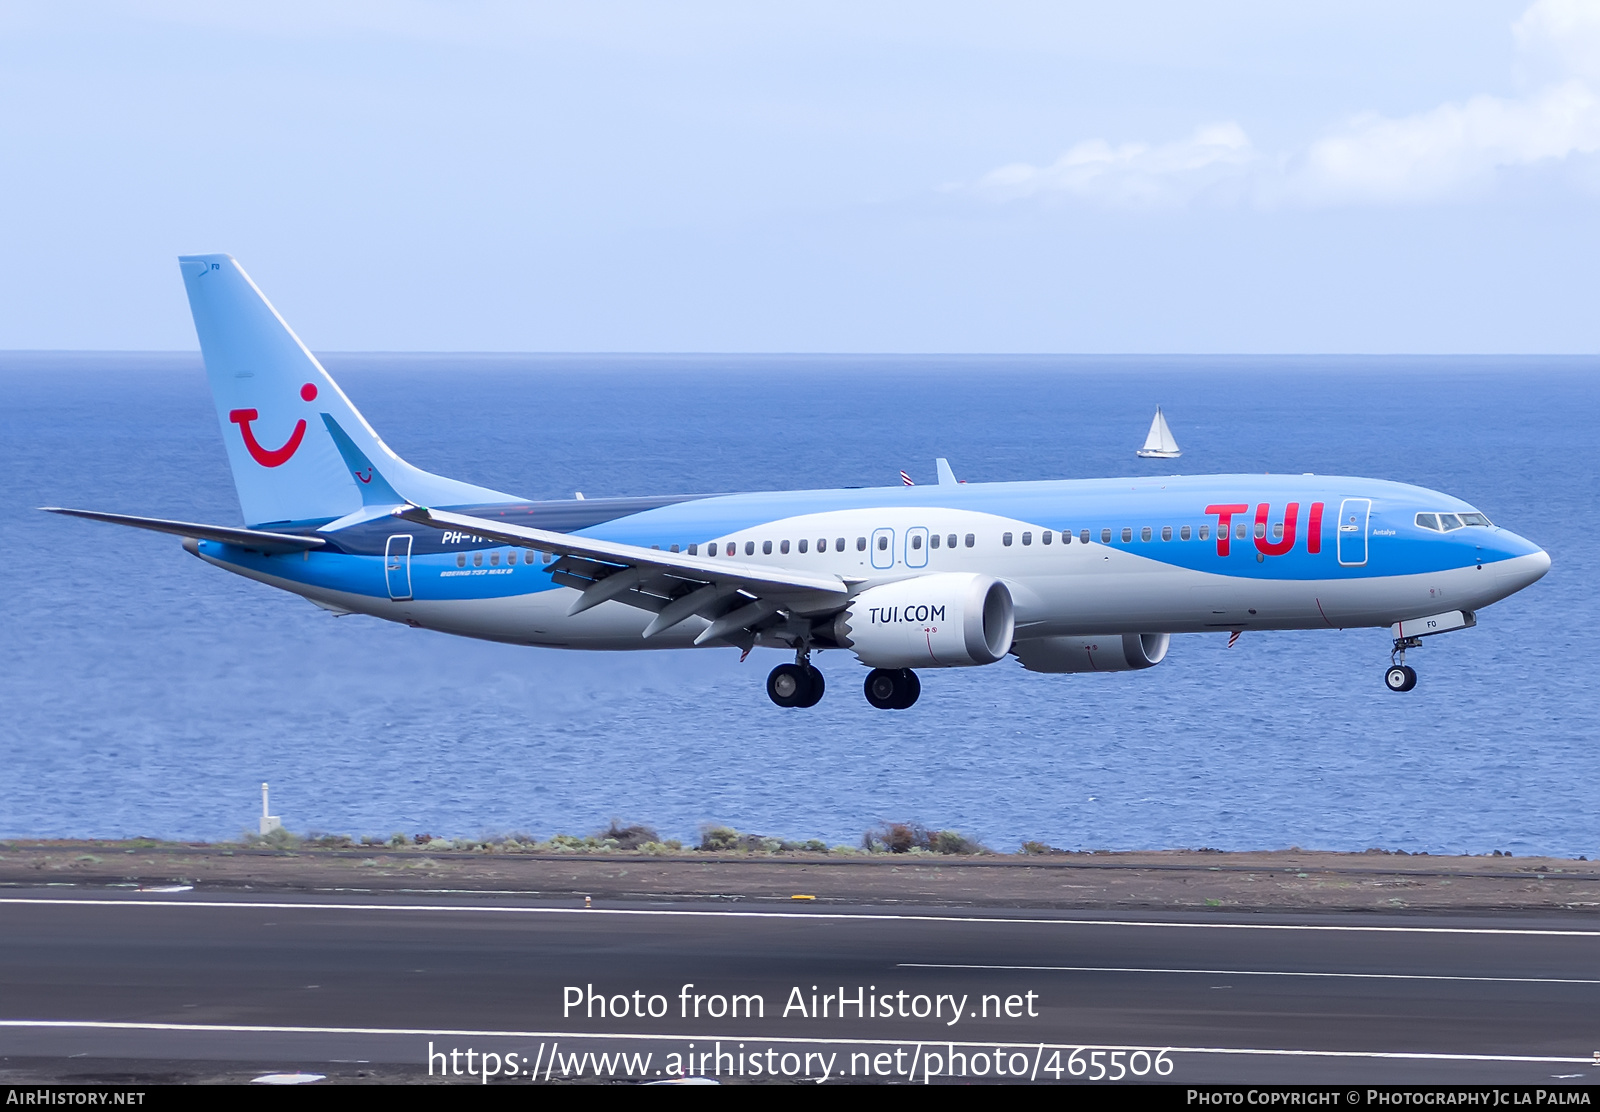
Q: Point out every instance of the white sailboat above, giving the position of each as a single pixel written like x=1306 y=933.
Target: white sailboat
x=1159 y=444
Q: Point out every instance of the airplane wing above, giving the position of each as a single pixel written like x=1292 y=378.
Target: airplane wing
x=737 y=598
x=258 y=540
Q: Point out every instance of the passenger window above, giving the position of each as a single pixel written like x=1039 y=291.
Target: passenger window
x=749 y=548
x=1027 y=538
x=784 y=548
x=951 y=541
x=971 y=540
x=1144 y=534
x=1261 y=530
x=1083 y=537
x=838 y=544
x=883 y=544
x=803 y=544
x=1105 y=536
x=527 y=557
x=494 y=559
x=1184 y=534
x=732 y=548
x=933 y=541
x=694 y=550
x=674 y=548
x=1277 y=531
x=511 y=557
x=461 y=559
x=477 y=559
x=822 y=544
x=1205 y=532
x=1044 y=537
x=1005 y=539
x=1127 y=535
x=916 y=542
x=547 y=557
x=1448 y=522
x=861 y=544
x=1241 y=531
x=766 y=548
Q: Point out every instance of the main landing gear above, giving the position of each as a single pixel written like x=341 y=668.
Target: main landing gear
x=1401 y=676
x=892 y=688
x=797 y=684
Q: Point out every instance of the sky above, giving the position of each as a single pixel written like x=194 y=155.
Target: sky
x=1144 y=177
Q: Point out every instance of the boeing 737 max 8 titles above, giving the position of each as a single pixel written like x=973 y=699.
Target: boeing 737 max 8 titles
x=1067 y=576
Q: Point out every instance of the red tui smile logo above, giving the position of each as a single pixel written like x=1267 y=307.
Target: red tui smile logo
x=272 y=457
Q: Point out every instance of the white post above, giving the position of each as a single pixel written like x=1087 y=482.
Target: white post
x=269 y=823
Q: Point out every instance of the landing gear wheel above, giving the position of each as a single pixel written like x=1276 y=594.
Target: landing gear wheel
x=818 y=686
x=1401 y=677
x=911 y=688
x=892 y=688
x=794 y=685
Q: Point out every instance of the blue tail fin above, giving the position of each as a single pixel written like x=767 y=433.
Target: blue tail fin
x=271 y=393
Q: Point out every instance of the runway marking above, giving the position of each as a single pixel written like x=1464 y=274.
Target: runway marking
x=422 y=1032
x=1251 y=973
x=490 y=909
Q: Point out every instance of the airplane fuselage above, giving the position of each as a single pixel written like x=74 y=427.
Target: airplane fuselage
x=1183 y=554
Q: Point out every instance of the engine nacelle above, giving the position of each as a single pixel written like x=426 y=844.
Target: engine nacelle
x=1115 y=652
x=933 y=621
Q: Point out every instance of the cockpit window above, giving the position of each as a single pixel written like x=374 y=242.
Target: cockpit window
x=1449 y=523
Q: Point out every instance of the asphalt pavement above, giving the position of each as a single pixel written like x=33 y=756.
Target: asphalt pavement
x=107 y=984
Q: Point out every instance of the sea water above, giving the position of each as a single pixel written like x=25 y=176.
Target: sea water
x=143 y=692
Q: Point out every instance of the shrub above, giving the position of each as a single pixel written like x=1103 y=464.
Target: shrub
x=628 y=837
x=719 y=839
x=907 y=837
x=953 y=841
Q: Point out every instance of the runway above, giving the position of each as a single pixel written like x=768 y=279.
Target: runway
x=183 y=985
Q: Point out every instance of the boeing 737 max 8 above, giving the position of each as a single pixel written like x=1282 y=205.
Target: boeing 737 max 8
x=1067 y=576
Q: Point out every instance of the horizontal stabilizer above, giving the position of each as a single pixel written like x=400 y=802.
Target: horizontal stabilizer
x=255 y=539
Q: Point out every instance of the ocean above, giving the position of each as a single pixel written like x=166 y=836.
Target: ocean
x=145 y=693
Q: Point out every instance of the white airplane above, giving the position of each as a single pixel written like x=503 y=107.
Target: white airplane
x=1065 y=575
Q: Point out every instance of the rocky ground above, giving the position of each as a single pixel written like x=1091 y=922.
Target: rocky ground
x=1154 y=880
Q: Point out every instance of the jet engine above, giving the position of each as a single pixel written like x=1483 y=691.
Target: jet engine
x=1114 y=652
x=949 y=620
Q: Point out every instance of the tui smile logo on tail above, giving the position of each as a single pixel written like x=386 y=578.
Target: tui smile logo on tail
x=272 y=457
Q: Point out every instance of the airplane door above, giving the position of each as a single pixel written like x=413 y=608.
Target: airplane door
x=916 y=555
x=397 y=566
x=1353 y=517
x=883 y=548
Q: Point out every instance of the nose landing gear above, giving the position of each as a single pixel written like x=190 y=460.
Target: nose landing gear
x=1401 y=676
x=892 y=688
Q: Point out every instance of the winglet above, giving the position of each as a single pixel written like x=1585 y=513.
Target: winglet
x=947 y=477
x=375 y=489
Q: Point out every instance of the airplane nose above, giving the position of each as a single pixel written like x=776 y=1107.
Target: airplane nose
x=1538 y=564
x=1522 y=570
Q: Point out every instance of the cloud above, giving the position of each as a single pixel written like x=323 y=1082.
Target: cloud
x=1368 y=159
x=1134 y=174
